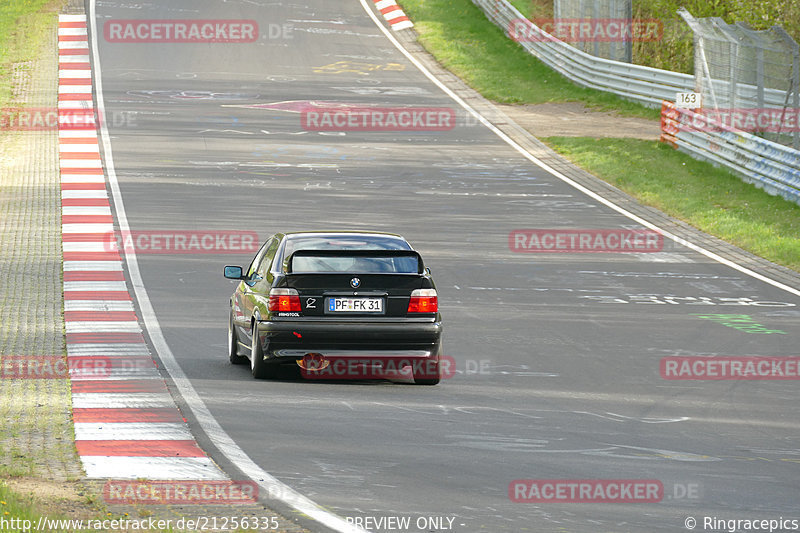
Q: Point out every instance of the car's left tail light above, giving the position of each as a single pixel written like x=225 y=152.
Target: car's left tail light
x=423 y=301
x=284 y=300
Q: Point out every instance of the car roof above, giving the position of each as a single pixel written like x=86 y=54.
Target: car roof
x=305 y=234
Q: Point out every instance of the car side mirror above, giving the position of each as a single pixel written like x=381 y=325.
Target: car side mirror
x=428 y=270
x=234 y=272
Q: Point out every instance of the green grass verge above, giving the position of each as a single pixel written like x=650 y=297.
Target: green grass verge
x=460 y=36
x=24 y=24
x=710 y=199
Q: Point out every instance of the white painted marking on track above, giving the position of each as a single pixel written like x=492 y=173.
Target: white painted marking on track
x=101 y=326
x=224 y=443
x=133 y=400
x=81 y=193
x=65 y=45
x=72 y=147
x=72 y=31
x=95 y=286
x=87 y=228
x=663 y=257
x=393 y=15
x=75 y=89
x=86 y=210
x=97 y=266
x=80 y=163
x=155 y=468
x=547 y=168
x=97 y=305
x=82 y=178
x=131 y=431
x=119 y=349
x=89 y=246
x=84 y=105
x=403 y=25
x=73 y=59
x=77 y=134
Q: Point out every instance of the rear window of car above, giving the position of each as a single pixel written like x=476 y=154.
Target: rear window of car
x=350 y=264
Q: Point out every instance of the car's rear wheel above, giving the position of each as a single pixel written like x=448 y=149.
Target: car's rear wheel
x=233 y=345
x=260 y=368
x=430 y=374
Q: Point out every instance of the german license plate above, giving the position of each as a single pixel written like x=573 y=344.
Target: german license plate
x=355 y=305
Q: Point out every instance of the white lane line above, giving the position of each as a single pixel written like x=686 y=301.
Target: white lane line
x=224 y=443
x=155 y=468
x=131 y=431
x=544 y=166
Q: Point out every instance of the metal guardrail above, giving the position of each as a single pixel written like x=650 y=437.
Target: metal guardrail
x=645 y=85
x=767 y=165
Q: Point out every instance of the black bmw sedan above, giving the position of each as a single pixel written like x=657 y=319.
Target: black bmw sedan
x=340 y=305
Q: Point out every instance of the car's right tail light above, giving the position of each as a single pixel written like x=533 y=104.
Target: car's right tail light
x=423 y=301
x=284 y=300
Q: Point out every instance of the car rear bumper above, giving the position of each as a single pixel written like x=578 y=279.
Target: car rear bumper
x=285 y=341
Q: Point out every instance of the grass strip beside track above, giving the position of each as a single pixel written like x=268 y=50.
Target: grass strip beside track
x=24 y=25
x=460 y=36
x=706 y=197
x=711 y=199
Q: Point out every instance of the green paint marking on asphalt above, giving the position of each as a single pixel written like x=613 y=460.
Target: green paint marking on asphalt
x=744 y=323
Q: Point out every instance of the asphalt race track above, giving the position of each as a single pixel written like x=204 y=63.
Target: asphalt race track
x=557 y=354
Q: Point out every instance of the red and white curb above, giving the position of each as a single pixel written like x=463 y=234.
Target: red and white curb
x=393 y=14
x=127 y=425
